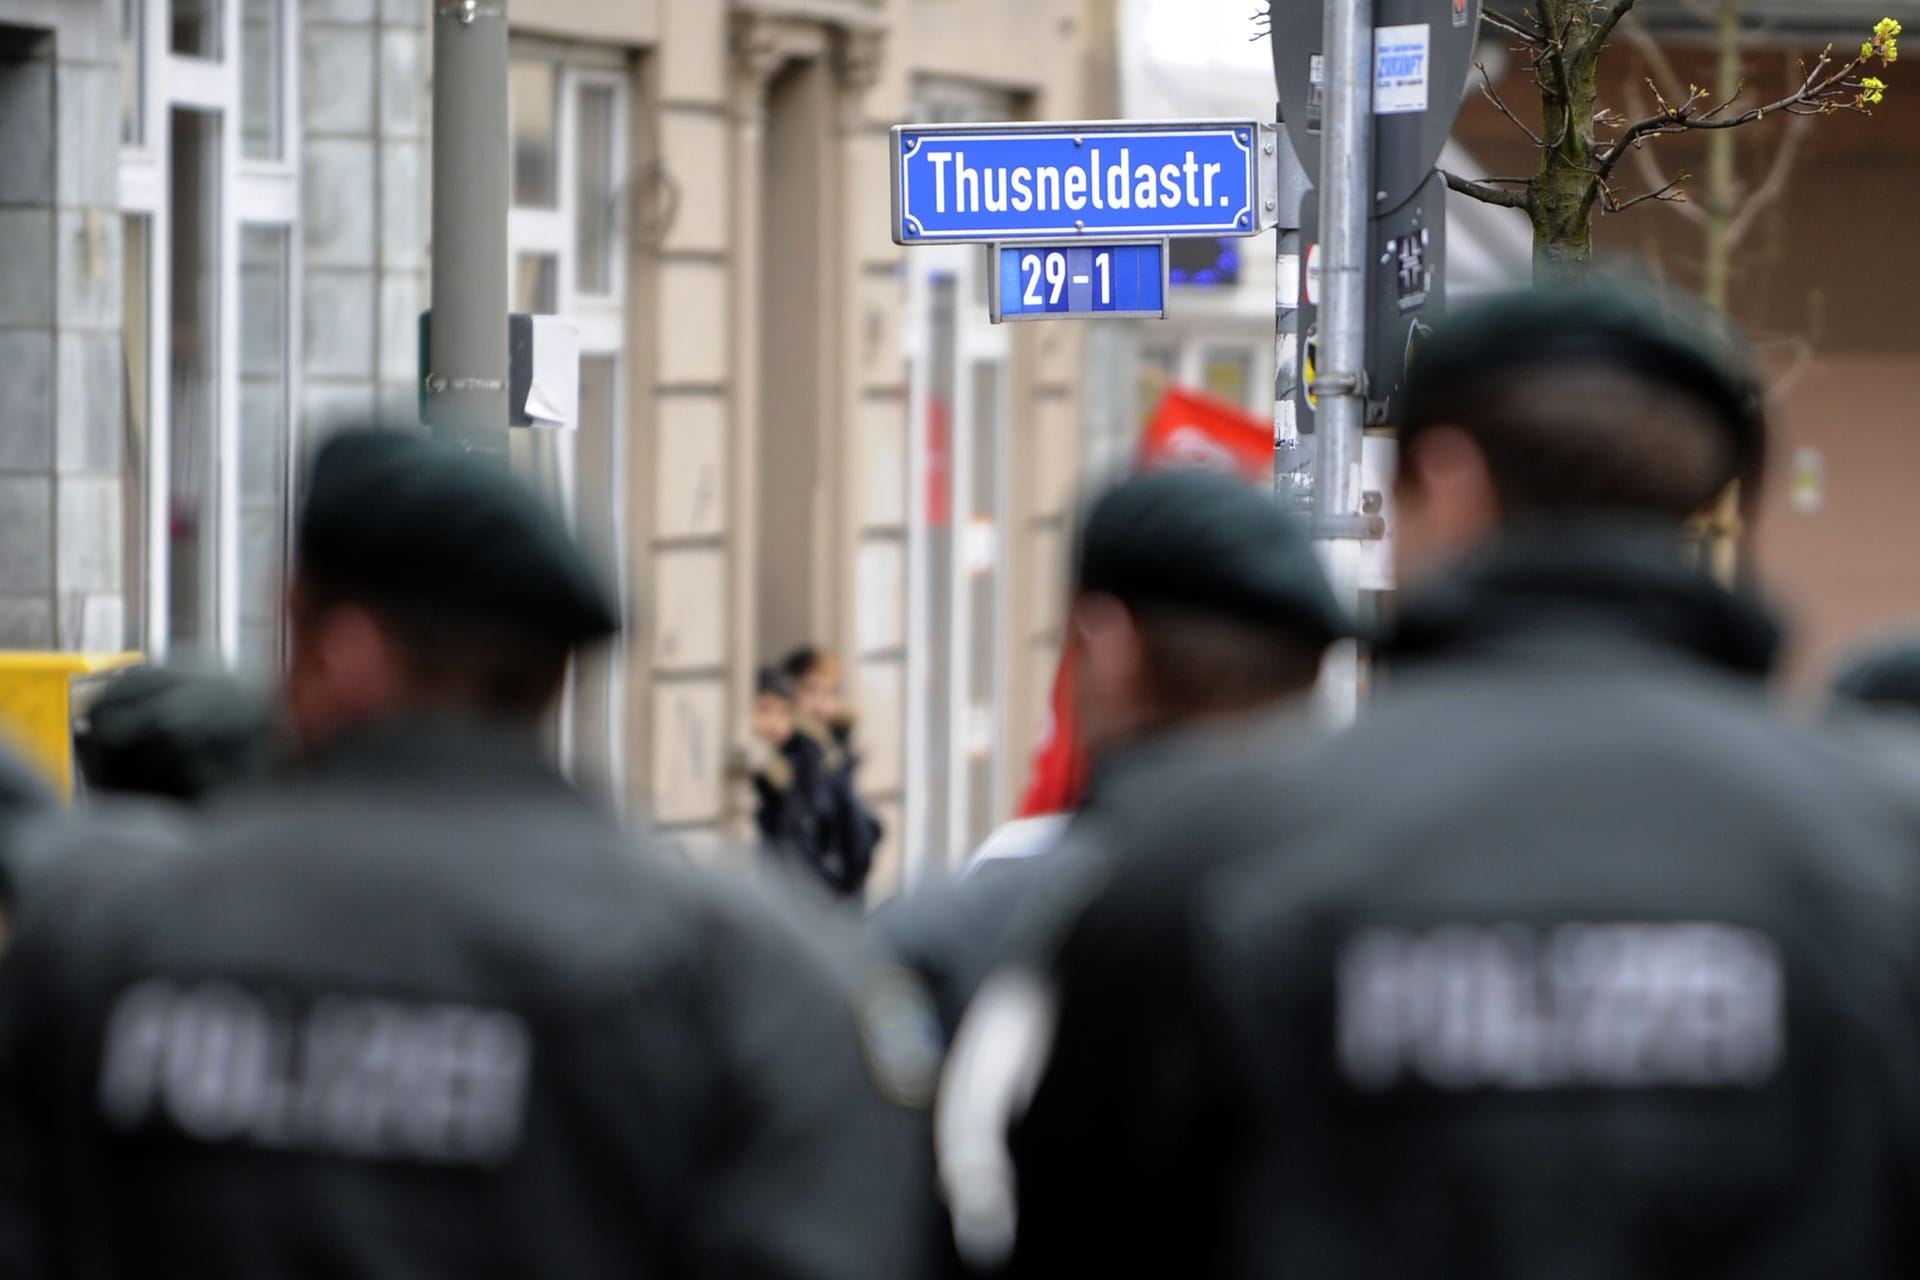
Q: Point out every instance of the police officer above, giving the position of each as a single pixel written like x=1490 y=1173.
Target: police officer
x=1873 y=710
x=424 y=1011
x=25 y=802
x=176 y=732
x=1571 y=958
x=149 y=746
x=1196 y=602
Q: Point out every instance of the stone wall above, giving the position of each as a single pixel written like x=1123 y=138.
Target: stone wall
x=62 y=446
x=365 y=210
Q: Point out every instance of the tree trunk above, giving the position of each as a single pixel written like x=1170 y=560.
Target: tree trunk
x=1726 y=527
x=1565 y=193
x=1721 y=175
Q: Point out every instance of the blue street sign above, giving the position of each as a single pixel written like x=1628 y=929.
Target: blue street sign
x=1054 y=281
x=991 y=182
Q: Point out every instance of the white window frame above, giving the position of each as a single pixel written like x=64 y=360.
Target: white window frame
x=599 y=322
x=252 y=192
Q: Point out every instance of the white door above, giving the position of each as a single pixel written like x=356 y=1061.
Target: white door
x=567 y=258
x=956 y=708
x=209 y=189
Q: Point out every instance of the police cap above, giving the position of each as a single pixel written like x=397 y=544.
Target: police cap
x=1667 y=340
x=1208 y=542
x=172 y=732
x=1885 y=675
x=397 y=520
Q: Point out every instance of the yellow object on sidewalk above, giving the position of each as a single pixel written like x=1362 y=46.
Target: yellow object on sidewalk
x=36 y=706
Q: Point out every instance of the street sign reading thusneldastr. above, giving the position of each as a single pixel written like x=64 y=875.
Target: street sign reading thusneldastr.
x=996 y=182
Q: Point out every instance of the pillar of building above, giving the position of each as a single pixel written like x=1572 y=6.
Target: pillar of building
x=873 y=440
x=66 y=464
x=365 y=210
x=680 y=567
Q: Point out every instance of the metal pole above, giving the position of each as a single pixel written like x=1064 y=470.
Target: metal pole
x=1346 y=206
x=466 y=374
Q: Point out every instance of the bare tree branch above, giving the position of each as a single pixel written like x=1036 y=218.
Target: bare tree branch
x=1487 y=194
x=1510 y=26
x=1492 y=95
x=1668 y=194
x=1643 y=157
x=1814 y=96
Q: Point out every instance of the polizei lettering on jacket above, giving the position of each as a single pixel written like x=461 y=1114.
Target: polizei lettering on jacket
x=1116 y=183
x=1521 y=1007
x=347 y=1076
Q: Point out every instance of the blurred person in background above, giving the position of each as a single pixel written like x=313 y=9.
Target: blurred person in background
x=177 y=733
x=819 y=706
x=822 y=713
x=1197 y=604
x=1873 y=708
x=424 y=1010
x=1571 y=957
x=791 y=807
x=803 y=765
x=25 y=801
x=150 y=746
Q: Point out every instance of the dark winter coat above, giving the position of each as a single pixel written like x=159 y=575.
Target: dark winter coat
x=1572 y=958
x=810 y=816
x=427 y=1013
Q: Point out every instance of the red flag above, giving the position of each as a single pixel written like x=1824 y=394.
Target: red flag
x=1187 y=430
x=1058 y=775
x=1192 y=430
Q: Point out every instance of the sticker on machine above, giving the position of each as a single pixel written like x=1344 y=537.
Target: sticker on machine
x=1400 y=67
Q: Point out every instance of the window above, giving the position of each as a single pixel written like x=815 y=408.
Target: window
x=533 y=88
x=265 y=440
x=1228 y=374
x=536 y=283
x=196 y=28
x=193 y=380
x=133 y=72
x=210 y=194
x=595 y=694
x=136 y=329
x=593 y=192
x=262 y=58
x=1158 y=370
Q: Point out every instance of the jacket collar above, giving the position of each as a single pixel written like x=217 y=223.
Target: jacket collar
x=1254 y=734
x=1626 y=583
x=432 y=752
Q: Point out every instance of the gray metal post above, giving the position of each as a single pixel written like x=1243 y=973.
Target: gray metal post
x=466 y=374
x=1346 y=205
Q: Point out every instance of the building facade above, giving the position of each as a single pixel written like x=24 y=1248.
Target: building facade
x=216 y=216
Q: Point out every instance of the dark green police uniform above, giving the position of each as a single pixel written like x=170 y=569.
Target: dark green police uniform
x=1197 y=541
x=425 y=1011
x=1571 y=958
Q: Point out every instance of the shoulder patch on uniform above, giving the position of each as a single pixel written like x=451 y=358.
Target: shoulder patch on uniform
x=901 y=1036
